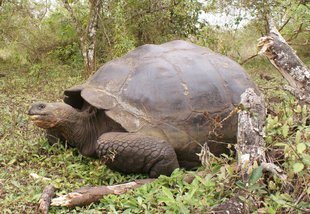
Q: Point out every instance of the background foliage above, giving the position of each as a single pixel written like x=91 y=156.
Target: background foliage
x=40 y=56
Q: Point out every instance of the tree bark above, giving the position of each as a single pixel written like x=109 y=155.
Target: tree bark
x=285 y=60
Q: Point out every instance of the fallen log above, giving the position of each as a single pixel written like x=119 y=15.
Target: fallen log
x=285 y=60
x=87 y=195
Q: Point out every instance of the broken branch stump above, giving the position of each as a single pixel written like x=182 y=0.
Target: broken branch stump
x=285 y=60
x=45 y=199
x=251 y=131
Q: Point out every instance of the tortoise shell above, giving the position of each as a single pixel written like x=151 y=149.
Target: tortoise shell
x=177 y=91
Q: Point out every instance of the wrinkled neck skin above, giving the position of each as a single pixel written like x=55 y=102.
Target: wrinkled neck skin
x=82 y=128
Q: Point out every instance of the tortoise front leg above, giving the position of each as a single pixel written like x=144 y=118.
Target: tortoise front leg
x=135 y=153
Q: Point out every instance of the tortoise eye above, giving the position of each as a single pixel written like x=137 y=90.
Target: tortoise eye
x=41 y=106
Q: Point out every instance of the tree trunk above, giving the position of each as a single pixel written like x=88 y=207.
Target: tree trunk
x=285 y=60
x=88 y=36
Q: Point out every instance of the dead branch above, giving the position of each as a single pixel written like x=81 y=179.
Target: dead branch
x=274 y=169
x=249 y=58
x=302 y=194
x=297 y=32
x=287 y=21
x=86 y=195
x=285 y=60
x=45 y=199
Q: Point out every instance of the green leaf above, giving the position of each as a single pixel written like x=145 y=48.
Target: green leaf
x=167 y=201
x=242 y=198
x=306 y=159
x=256 y=175
x=199 y=178
x=297 y=167
x=301 y=147
x=304 y=111
x=254 y=187
x=271 y=210
x=167 y=192
x=240 y=184
x=298 y=109
x=280 y=144
x=216 y=168
x=12 y=161
x=285 y=130
x=290 y=121
x=298 y=136
x=230 y=170
x=308 y=191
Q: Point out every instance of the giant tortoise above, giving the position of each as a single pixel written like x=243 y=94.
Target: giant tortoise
x=150 y=110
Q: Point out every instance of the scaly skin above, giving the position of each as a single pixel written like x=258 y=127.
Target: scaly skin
x=134 y=153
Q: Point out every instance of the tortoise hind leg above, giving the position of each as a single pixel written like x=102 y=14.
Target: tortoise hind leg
x=135 y=153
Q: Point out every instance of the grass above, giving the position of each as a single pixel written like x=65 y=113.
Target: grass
x=24 y=150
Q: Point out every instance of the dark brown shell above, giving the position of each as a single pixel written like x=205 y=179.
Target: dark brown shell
x=177 y=91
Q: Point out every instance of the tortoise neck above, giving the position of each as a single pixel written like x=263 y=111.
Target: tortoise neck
x=84 y=127
x=81 y=131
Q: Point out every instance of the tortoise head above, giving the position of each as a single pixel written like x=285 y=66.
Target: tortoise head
x=50 y=115
x=80 y=127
